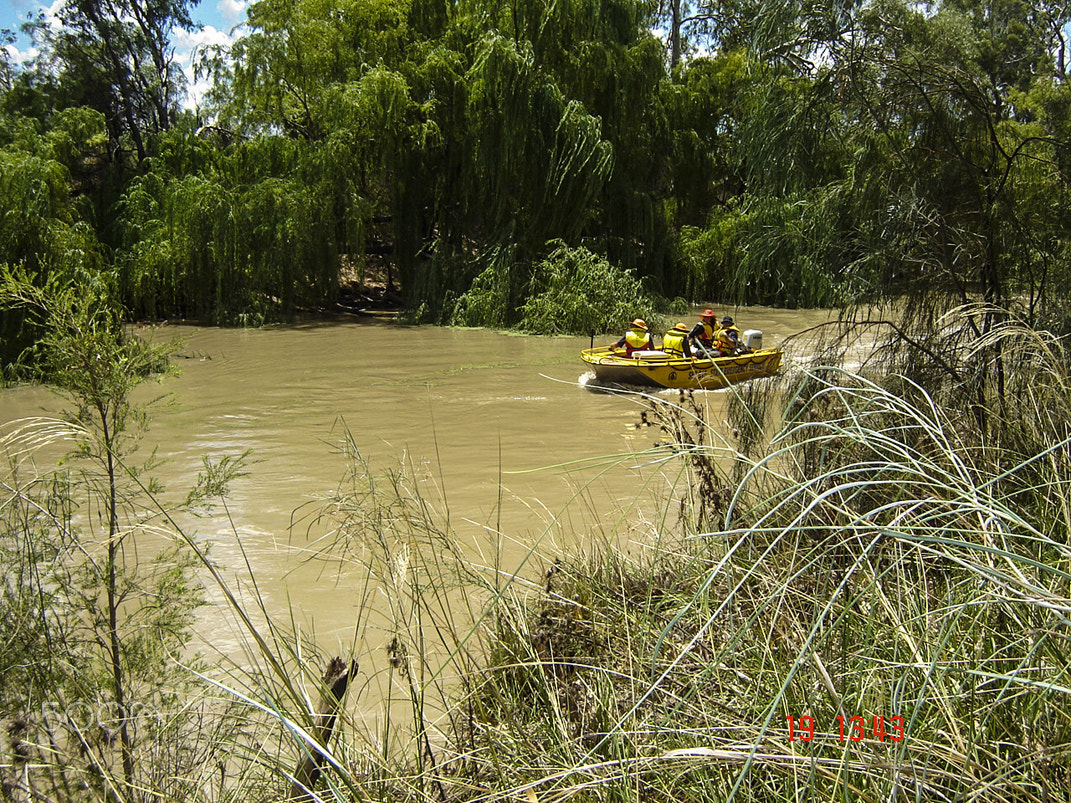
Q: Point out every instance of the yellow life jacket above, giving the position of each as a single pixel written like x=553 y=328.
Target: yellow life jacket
x=728 y=339
x=673 y=342
x=707 y=336
x=636 y=338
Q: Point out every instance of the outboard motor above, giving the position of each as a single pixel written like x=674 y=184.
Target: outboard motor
x=752 y=339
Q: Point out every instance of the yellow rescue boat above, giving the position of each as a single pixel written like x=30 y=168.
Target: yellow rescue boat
x=660 y=370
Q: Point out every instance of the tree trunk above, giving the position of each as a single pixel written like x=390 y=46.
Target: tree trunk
x=335 y=680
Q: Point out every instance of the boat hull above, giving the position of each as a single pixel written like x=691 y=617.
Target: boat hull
x=663 y=371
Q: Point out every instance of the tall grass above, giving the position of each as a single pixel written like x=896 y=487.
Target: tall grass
x=875 y=557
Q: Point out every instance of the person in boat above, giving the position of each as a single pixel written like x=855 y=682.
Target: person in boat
x=637 y=338
x=703 y=334
x=727 y=341
x=675 y=342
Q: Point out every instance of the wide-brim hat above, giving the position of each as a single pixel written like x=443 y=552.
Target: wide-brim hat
x=707 y=313
x=681 y=327
x=640 y=323
x=727 y=319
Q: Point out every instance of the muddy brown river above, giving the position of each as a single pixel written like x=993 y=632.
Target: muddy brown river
x=497 y=431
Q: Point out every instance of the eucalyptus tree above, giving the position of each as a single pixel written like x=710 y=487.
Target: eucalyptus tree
x=1053 y=16
x=779 y=233
x=758 y=150
x=888 y=151
x=953 y=191
x=116 y=56
x=7 y=37
x=794 y=33
x=966 y=160
x=774 y=230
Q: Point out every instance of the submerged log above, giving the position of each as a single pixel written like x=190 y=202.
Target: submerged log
x=335 y=681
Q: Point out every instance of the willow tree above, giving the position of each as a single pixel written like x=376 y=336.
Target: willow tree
x=604 y=54
x=284 y=69
x=312 y=120
x=243 y=236
x=531 y=165
x=45 y=219
x=553 y=131
x=335 y=77
x=45 y=231
x=472 y=134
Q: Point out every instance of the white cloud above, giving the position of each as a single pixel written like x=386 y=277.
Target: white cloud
x=52 y=14
x=188 y=41
x=23 y=49
x=233 y=11
x=221 y=27
x=20 y=7
x=17 y=55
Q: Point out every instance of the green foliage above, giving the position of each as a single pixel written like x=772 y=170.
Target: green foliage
x=43 y=222
x=576 y=292
x=46 y=231
x=569 y=291
x=85 y=350
x=286 y=68
x=796 y=155
x=116 y=57
x=490 y=299
x=701 y=111
x=768 y=251
x=250 y=238
x=98 y=604
x=878 y=556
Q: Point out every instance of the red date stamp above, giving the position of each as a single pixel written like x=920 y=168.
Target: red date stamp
x=851 y=729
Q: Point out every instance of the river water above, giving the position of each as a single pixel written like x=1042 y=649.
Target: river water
x=485 y=422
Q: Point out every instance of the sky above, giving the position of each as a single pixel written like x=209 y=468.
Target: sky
x=219 y=19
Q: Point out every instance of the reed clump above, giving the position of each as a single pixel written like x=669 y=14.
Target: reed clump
x=879 y=616
x=872 y=603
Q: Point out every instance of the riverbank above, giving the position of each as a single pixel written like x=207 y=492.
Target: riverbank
x=871 y=603
x=853 y=590
x=856 y=610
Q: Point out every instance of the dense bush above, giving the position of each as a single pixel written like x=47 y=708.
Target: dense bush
x=574 y=291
